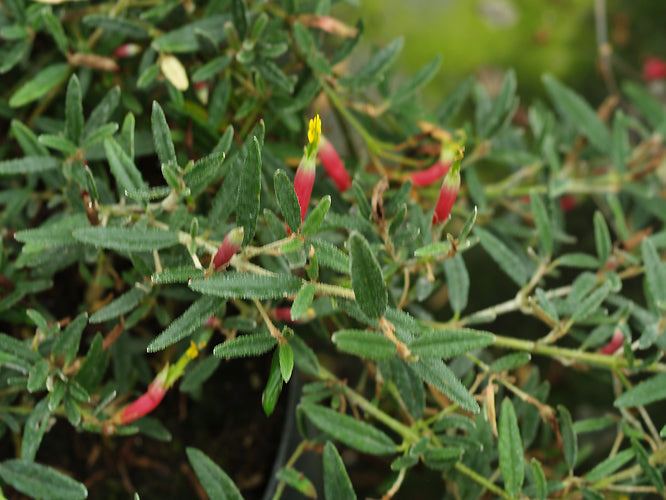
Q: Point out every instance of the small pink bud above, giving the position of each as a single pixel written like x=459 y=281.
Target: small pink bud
x=430 y=175
x=147 y=402
x=126 y=50
x=615 y=343
x=654 y=69
x=282 y=313
x=333 y=165
x=568 y=202
x=447 y=195
x=303 y=182
x=230 y=245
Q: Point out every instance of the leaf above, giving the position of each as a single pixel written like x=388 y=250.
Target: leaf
x=187 y=323
x=249 y=191
x=366 y=276
x=417 y=81
x=610 y=465
x=510 y=362
x=449 y=108
x=194 y=378
x=39 y=85
x=55 y=29
x=37 y=375
x=40 y=481
x=437 y=374
x=442 y=458
x=287 y=200
x=302 y=301
x=174 y=71
x=58 y=143
x=247 y=286
x=162 y=136
x=581 y=115
x=650 y=471
x=539 y=480
x=655 y=272
x=269 y=397
x=359 y=435
x=177 y=275
x=118 y=25
x=330 y=256
x=28 y=165
x=217 y=484
x=336 y=481
x=365 y=343
x=204 y=172
x=73 y=111
x=569 y=439
x=184 y=38
x=579 y=260
x=372 y=72
x=100 y=115
x=121 y=305
x=253 y=344
x=298 y=481
x=602 y=238
x=457 y=282
x=50 y=235
x=304 y=357
x=127 y=239
x=286 y=356
x=409 y=385
x=306 y=44
x=33 y=430
x=450 y=343
x=68 y=341
x=503 y=105
x=542 y=222
x=590 y=303
x=123 y=168
x=505 y=258
x=93 y=366
x=646 y=392
x=26 y=139
x=211 y=69
x=510 y=449
x=98 y=135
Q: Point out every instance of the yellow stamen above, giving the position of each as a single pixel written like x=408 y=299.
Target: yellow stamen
x=192 y=352
x=314 y=130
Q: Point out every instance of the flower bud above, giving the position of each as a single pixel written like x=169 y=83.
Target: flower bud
x=126 y=50
x=305 y=174
x=447 y=195
x=430 y=175
x=615 y=343
x=230 y=245
x=654 y=69
x=148 y=401
x=333 y=165
x=201 y=90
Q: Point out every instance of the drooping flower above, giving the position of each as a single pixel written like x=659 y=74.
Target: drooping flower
x=654 y=69
x=305 y=174
x=614 y=344
x=232 y=242
x=448 y=194
x=334 y=165
x=148 y=401
x=439 y=169
x=126 y=50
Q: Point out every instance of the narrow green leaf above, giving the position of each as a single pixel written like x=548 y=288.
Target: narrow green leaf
x=298 y=481
x=364 y=343
x=608 y=466
x=287 y=200
x=118 y=25
x=409 y=385
x=248 y=286
x=127 y=239
x=367 y=279
x=186 y=324
x=211 y=69
x=457 y=282
x=59 y=143
x=455 y=100
x=249 y=192
x=33 y=431
x=286 y=356
x=539 y=480
x=67 y=342
x=94 y=365
x=26 y=139
x=510 y=362
x=581 y=115
x=40 y=481
x=651 y=472
x=269 y=397
x=359 y=435
x=37 y=375
x=579 y=260
x=543 y=224
x=505 y=258
x=590 y=303
x=442 y=458
x=417 y=81
x=502 y=106
x=177 y=275
x=123 y=168
x=436 y=373
x=646 y=392
x=302 y=301
x=73 y=111
x=330 y=256
x=56 y=30
x=372 y=72
x=119 y=306
x=450 y=343
x=655 y=272
x=50 y=235
x=72 y=410
x=162 y=136
x=194 y=378
x=510 y=449
x=602 y=238
x=253 y=344
x=101 y=113
x=569 y=438
x=39 y=85
x=304 y=357
x=203 y=172
x=337 y=485
x=28 y=165
x=433 y=249
x=593 y=424
x=217 y=484
x=99 y=135
x=307 y=45
x=273 y=74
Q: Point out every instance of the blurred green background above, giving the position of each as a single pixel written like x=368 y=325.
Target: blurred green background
x=486 y=37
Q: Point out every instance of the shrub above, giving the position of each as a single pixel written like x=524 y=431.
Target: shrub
x=159 y=213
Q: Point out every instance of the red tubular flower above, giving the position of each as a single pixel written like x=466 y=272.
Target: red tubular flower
x=126 y=50
x=431 y=174
x=147 y=402
x=654 y=69
x=230 y=245
x=333 y=165
x=282 y=313
x=305 y=175
x=568 y=202
x=447 y=195
x=615 y=343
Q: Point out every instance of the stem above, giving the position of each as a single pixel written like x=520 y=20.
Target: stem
x=334 y=290
x=292 y=460
x=463 y=469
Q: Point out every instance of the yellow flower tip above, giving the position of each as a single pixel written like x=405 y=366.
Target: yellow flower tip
x=314 y=130
x=192 y=352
